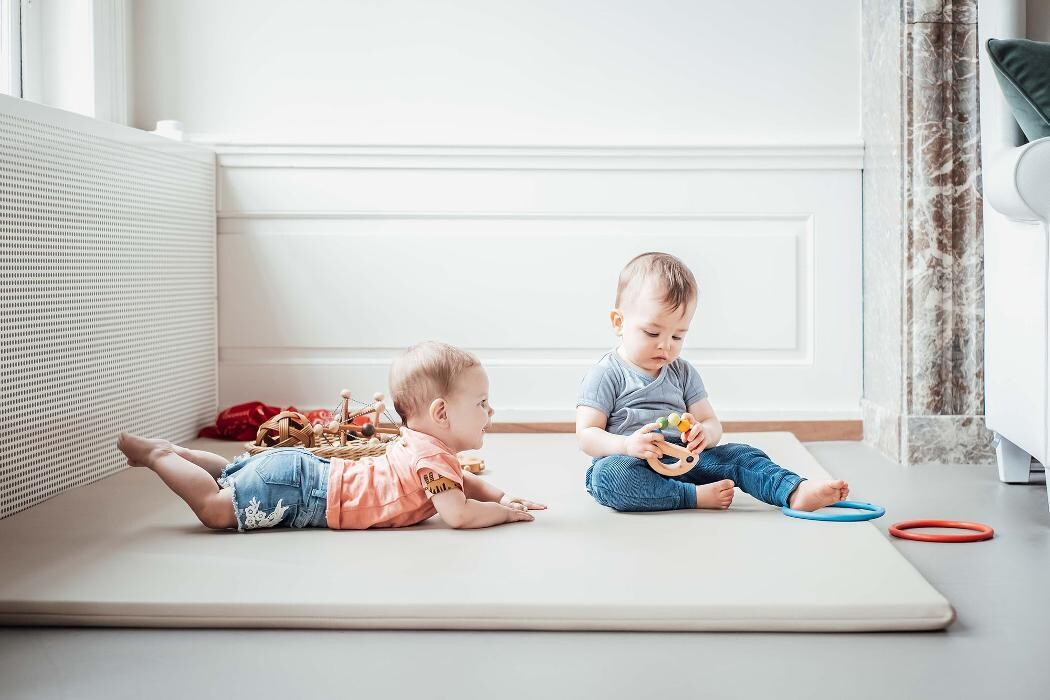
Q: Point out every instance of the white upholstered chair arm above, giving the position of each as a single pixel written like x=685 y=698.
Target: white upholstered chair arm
x=1017 y=182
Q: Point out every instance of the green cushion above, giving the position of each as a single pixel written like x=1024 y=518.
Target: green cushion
x=1022 y=68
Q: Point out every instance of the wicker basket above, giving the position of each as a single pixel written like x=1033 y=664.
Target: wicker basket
x=342 y=438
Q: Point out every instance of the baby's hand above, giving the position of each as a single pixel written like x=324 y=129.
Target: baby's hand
x=516 y=515
x=696 y=438
x=520 y=503
x=643 y=442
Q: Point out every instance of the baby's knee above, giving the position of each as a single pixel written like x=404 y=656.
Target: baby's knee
x=616 y=483
x=615 y=471
x=606 y=479
x=217 y=514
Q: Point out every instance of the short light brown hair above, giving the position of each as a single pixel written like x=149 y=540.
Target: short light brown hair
x=424 y=372
x=679 y=285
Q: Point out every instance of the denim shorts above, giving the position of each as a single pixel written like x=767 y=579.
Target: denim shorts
x=282 y=487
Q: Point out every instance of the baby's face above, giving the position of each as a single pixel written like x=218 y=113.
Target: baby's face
x=651 y=334
x=469 y=412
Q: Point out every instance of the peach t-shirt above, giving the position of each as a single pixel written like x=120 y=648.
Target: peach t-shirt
x=392 y=490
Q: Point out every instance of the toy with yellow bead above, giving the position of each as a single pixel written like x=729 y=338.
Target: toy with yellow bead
x=686 y=459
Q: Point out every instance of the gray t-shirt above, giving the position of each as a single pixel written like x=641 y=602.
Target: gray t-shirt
x=632 y=399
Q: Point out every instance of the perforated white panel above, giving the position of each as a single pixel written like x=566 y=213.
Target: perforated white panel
x=107 y=296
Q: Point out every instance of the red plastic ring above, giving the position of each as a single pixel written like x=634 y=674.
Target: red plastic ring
x=983 y=532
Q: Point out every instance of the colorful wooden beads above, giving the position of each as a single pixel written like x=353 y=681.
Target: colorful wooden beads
x=674 y=421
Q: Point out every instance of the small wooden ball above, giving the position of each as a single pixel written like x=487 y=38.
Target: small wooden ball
x=368 y=430
x=674 y=419
x=662 y=422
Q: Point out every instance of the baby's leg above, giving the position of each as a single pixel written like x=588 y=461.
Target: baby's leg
x=628 y=484
x=208 y=461
x=767 y=481
x=214 y=508
x=750 y=468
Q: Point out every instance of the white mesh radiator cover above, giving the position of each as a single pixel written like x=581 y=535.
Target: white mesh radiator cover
x=107 y=296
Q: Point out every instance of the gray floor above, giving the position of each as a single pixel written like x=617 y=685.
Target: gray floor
x=996 y=648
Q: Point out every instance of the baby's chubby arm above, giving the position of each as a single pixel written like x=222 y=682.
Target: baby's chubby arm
x=464 y=513
x=596 y=441
x=481 y=490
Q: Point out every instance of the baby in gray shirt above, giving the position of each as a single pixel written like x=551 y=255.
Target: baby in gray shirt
x=645 y=379
x=633 y=399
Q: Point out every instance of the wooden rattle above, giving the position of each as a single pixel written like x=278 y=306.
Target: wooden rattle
x=686 y=459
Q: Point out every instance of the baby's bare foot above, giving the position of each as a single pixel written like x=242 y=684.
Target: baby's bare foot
x=812 y=495
x=142 y=451
x=717 y=495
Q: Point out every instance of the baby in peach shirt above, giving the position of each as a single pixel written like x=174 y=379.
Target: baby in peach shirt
x=441 y=393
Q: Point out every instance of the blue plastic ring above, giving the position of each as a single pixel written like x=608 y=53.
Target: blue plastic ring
x=869 y=512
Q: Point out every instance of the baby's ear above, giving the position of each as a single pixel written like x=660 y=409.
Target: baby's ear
x=617 y=320
x=438 y=411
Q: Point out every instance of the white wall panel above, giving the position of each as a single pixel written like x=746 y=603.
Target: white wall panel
x=519 y=263
x=524 y=151
x=493 y=283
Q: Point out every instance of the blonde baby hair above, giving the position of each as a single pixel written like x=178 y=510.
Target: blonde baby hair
x=424 y=372
x=679 y=285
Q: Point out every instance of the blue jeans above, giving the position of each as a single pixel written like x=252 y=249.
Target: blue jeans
x=282 y=487
x=629 y=484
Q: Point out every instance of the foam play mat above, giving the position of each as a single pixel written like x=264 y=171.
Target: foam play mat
x=125 y=551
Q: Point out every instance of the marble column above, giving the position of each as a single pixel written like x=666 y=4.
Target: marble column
x=923 y=247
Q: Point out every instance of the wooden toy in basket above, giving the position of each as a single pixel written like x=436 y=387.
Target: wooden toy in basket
x=472 y=464
x=343 y=437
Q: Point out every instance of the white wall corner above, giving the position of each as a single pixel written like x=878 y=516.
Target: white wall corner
x=111 y=34
x=11 y=45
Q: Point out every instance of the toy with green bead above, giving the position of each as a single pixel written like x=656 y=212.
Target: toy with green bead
x=686 y=459
x=675 y=421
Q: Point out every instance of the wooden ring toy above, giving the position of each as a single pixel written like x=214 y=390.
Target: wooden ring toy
x=686 y=460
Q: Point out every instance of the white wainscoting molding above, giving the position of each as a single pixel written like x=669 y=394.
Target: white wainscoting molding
x=333 y=257
x=263 y=154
